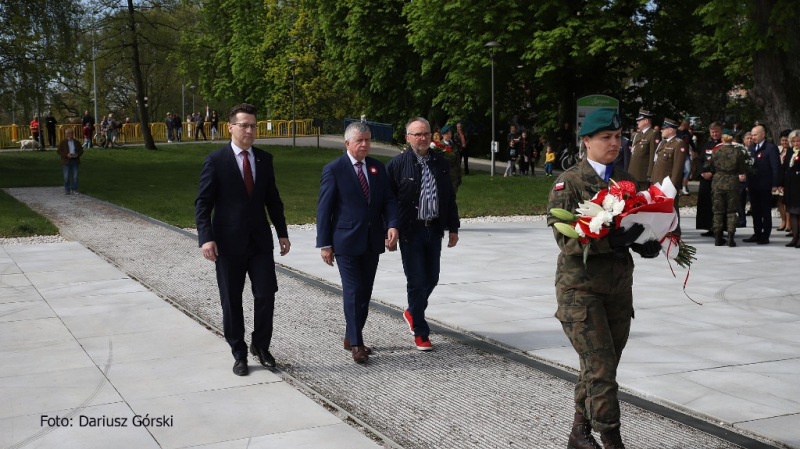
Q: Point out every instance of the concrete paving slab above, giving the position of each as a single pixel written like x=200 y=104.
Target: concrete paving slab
x=337 y=436
x=784 y=428
x=39 y=331
x=14 y=280
x=91 y=273
x=8 y=267
x=28 y=431
x=151 y=345
x=19 y=294
x=30 y=358
x=232 y=413
x=91 y=288
x=88 y=305
x=126 y=321
x=25 y=310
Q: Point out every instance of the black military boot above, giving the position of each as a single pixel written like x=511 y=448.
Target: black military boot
x=581 y=436
x=718 y=240
x=612 y=439
x=731 y=242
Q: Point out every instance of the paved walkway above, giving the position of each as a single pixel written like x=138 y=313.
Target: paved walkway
x=732 y=360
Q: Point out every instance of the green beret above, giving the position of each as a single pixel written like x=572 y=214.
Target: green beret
x=446 y=128
x=727 y=131
x=603 y=119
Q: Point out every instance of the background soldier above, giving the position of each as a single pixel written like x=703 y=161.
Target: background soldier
x=669 y=161
x=642 y=149
x=595 y=300
x=728 y=168
x=705 y=209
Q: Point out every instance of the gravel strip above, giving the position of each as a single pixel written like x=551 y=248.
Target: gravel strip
x=454 y=397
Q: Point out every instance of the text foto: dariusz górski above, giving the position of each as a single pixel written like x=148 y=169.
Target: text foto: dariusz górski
x=106 y=421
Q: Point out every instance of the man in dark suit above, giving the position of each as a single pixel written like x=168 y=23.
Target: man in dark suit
x=356 y=221
x=236 y=183
x=420 y=179
x=762 y=183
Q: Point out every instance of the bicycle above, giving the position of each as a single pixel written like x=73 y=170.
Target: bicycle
x=100 y=139
x=569 y=156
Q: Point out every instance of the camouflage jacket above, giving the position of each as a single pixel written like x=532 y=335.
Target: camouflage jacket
x=604 y=272
x=727 y=163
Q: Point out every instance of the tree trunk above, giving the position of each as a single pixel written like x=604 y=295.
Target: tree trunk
x=776 y=76
x=137 y=77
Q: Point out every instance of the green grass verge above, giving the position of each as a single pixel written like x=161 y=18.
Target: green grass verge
x=18 y=220
x=163 y=184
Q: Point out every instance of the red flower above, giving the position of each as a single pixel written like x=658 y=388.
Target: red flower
x=373 y=170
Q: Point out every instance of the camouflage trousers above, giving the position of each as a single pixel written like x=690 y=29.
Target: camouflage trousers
x=725 y=205
x=598 y=327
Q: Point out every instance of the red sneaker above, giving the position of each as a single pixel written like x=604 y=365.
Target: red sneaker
x=423 y=343
x=407 y=317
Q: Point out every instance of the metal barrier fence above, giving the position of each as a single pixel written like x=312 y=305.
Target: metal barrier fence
x=381 y=132
x=10 y=135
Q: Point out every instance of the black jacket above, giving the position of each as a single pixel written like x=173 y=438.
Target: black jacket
x=405 y=178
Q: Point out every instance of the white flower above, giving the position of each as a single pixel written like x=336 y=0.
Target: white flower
x=589 y=209
x=433 y=145
x=608 y=202
x=596 y=224
x=619 y=206
x=580 y=231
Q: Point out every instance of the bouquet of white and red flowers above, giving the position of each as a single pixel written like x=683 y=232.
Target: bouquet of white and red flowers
x=620 y=206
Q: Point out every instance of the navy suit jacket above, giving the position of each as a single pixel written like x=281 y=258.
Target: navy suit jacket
x=345 y=220
x=238 y=217
x=767 y=163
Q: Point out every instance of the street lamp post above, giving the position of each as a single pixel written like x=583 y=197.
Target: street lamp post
x=193 y=88
x=293 y=61
x=491 y=45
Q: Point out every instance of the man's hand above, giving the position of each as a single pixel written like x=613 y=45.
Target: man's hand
x=327 y=255
x=209 y=250
x=649 y=249
x=285 y=245
x=453 y=240
x=774 y=189
x=391 y=241
x=706 y=175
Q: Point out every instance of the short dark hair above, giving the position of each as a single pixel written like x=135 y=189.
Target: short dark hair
x=715 y=125
x=785 y=133
x=247 y=108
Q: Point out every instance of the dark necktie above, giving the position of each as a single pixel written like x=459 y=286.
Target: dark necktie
x=609 y=171
x=363 y=180
x=248 y=173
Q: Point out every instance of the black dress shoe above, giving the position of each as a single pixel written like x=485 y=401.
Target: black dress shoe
x=751 y=239
x=240 y=367
x=763 y=242
x=348 y=346
x=707 y=234
x=264 y=357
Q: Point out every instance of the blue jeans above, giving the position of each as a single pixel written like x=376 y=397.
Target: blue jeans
x=72 y=166
x=421 y=254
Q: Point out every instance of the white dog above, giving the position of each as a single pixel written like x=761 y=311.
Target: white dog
x=28 y=144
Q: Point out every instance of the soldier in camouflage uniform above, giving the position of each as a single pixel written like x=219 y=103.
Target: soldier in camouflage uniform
x=455 y=161
x=643 y=149
x=728 y=166
x=595 y=301
x=669 y=158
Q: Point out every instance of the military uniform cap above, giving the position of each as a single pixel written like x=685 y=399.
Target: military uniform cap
x=669 y=123
x=446 y=128
x=643 y=114
x=603 y=119
x=727 y=131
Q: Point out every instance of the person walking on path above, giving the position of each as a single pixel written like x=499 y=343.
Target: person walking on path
x=214 y=125
x=70 y=151
x=595 y=292
x=170 y=127
x=728 y=168
x=237 y=184
x=426 y=202
x=356 y=222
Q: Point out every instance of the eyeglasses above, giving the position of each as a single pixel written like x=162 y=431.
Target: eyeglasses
x=246 y=126
x=420 y=135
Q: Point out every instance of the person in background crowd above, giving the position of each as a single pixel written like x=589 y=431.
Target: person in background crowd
x=783 y=149
x=437 y=136
x=624 y=157
x=35 y=130
x=189 y=125
x=747 y=141
x=214 y=125
x=684 y=133
x=728 y=168
x=594 y=287
x=541 y=149
x=177 y=127
x=643 y=150
x=111 y=129
x=199 y=123
x=789 y=183
x=170 y=127
x=513 y=150
x=526 y=149
x=455 y=165
x=705 y=207
x=88 y=120
x=87 y=137
x=50 y=124
x=670 y=155
x=461 y=141
x=549 y=160
x=761 y=183
x=424 y=212
x=70 y=152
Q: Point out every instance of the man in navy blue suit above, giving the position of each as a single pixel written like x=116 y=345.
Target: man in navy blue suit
x=356 y=221
x=762 y=183
x=236 y=183
x=420 y=179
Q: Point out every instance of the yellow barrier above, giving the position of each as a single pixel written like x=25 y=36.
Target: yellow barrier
x=10 y=135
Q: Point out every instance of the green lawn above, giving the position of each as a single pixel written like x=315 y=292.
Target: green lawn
x=17 y=220
x=163 y=184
